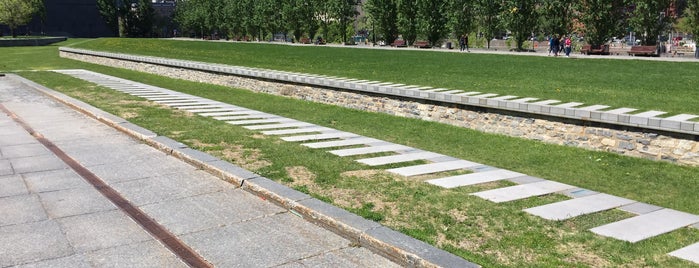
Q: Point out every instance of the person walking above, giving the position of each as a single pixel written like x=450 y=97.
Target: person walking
x=550 y=45
x=466 y=43
x=568 y=46
x=462 y=43
x=556 y=45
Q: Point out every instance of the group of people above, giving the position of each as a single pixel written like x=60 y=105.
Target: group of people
x=561 y=44
x=463 y=43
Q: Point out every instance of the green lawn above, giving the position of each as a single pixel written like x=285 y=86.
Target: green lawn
x=666 y=86
x=494 y=235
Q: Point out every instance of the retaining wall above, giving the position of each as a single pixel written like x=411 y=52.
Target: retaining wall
x=671 y=141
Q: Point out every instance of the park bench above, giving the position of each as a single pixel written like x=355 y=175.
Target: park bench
x=643 y=51
x=588 y=50
x=305 y=40
x=681 y=51
x=399 y=43
x=422 y=44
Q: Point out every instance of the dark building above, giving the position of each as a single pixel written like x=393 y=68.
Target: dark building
x=71 y=18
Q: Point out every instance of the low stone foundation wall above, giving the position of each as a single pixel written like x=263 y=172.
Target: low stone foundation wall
x=651 y=145
x=26 y=42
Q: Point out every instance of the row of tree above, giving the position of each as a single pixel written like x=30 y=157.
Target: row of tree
x=15 y=13
x=433 y=20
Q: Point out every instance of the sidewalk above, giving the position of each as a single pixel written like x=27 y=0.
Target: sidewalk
x=91 y=206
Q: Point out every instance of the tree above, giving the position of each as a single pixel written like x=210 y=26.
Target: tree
x=140 y=19
x=557 y=17
x=407 y=20
x=649 y=19
x=293 y=17
x=344 y=12
x=461 y=17
x=488 y=19
x=384 y=15
x=114 y=13
x=520 y=17
x=602 y=19
x=691 y=14
x=15 y=13
x=433 y=19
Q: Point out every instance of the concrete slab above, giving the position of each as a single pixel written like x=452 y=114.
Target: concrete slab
x=392 y=159
x=593 y=107
x=74 y=201
x=690 y=253
x=6 y=168
x=578 y=192
x=25 y=150
x=36 y=164
x=297 y=130
x=621 y=111
x=546 y=102
x=294 y=239
x=324 y=136
x=245 y=116
x=682 y=117
x=526 y=179
x=343 y=258
x=569 y=104
x=341 y=143
x=640 y=208
x=197 y=213
x=102 y=230
x=238 y=111
x=279 y=126
x=12 y=185
x=370 y=150
x=125 y=171
x=20 y=209
x=261 y=121
x=647 y=225
x=73 y=261
x=522 y=191
x=143 y=254
x=32 y=242
x=171 y=186
x=523 y=100
x=579 y=206
x=433 y=168
x=506 y=97
x=475 y=178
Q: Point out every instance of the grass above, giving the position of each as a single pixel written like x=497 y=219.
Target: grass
x=664 y=86
x=494 y=235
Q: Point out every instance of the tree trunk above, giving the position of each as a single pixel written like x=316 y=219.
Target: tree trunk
x=122 y=26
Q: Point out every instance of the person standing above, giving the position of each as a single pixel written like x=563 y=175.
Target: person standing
x=550 y=45
x=466 y=43
x=462 y=43
x=556 y=45
x=568 y=46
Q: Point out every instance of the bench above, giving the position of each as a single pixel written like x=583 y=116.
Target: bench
x=682 y=51
x=651 y=51
x=588 y=50
x=422 y=44
x=305 y=40
x=399 y=43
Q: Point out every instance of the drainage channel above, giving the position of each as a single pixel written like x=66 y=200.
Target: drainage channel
x=181 y=250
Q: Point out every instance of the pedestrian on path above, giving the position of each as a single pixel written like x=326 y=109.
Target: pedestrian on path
x=555 y=45
x=568 y=44
x=462 y=43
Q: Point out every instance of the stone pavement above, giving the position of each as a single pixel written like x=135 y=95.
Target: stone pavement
x=75 y=192
x=647 y=224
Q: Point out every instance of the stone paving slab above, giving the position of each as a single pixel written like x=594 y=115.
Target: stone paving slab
x=357 y=140
x=579 y=206
x=245 y=116
x=261 y=121
x=279 y=126
x=647 y=225
x=640 y=208
x=522 y=191
x=297 y=130
x=690 y=253
x=392 y=159
x=34 y=241
x=12 y=185
x=324 y=136
x=142 y=254
x=213 y=109
x=370 y=150
x=102 y=230
x=433 y=168
x=475 y=178
x=20 y=209
x=76 y=201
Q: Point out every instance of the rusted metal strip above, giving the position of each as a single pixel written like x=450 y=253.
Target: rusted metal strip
x=179 y=248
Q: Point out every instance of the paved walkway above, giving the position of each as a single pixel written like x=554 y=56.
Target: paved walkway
x=651 y=220
x=77 y=193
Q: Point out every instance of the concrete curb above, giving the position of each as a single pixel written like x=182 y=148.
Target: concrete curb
x=397 y=247
x=551 y=108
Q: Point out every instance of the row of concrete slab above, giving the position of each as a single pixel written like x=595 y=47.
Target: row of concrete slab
x=680 y=123
x=650 y=220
